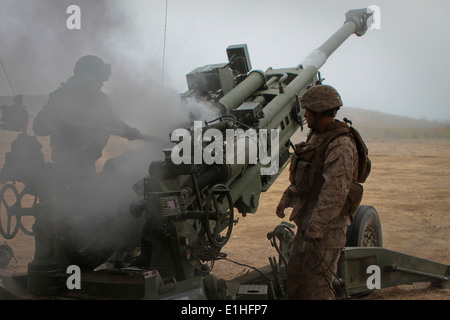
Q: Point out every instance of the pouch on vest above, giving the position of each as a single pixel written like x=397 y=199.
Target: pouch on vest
x=292 y=168
x=304 y=176
x=353 y=199
x=304 y=152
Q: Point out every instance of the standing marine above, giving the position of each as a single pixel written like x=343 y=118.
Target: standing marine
x=323 y=193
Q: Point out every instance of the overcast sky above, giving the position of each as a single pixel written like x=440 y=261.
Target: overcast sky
x=400 y=69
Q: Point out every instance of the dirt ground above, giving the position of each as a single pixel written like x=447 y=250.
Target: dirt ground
x=409 y=187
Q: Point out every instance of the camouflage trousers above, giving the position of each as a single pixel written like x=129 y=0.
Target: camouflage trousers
x=309 y=275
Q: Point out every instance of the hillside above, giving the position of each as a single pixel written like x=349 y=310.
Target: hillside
x=372 y=124
x=377 y=124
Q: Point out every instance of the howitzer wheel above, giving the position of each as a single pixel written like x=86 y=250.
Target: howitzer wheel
x=218 y=222
x=9 y=200
x=365 y=230
x=30 y=211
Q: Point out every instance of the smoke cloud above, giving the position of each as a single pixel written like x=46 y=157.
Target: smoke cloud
x=41 y=52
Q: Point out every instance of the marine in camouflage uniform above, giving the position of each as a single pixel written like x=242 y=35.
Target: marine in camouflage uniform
x=79 y=120
x=321 y=175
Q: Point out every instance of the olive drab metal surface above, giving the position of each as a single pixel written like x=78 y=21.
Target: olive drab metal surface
x=187 y=208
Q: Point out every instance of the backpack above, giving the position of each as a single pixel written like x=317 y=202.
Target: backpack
x=364 y=162
x=364 y=166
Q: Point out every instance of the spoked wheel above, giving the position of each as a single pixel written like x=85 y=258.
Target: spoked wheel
x=12 y=209
x=24 y=210
x=9 y=201
x=365 y=230
x=218 y=225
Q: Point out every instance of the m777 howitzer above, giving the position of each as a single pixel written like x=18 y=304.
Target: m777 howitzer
x=188 y=201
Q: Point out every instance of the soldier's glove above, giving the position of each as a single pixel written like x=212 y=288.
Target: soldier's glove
x=133 y=134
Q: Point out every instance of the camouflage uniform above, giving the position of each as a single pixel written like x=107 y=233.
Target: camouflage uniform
x=322 y=171
x=79 y=120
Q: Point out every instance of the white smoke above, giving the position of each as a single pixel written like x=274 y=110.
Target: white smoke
x=40 y=53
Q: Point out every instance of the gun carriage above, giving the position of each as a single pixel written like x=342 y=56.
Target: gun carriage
x=188 y=207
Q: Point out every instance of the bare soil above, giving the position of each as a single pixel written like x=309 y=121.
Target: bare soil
x=409 y=187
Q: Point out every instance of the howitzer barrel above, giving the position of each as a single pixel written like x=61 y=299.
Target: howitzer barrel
x=356 y=22
x=278 y=109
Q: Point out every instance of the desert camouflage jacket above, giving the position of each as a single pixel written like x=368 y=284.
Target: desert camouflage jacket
x=321 y=175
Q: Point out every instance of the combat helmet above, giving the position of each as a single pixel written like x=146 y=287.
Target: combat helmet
x=321 y=98
x=92 y=67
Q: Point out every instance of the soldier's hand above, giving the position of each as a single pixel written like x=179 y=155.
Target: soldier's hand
x=280 y=210
x=133 y=134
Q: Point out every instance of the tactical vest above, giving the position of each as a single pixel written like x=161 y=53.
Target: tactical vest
x=307 y=166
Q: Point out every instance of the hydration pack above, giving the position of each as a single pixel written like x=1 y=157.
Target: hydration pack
x=364 y=162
